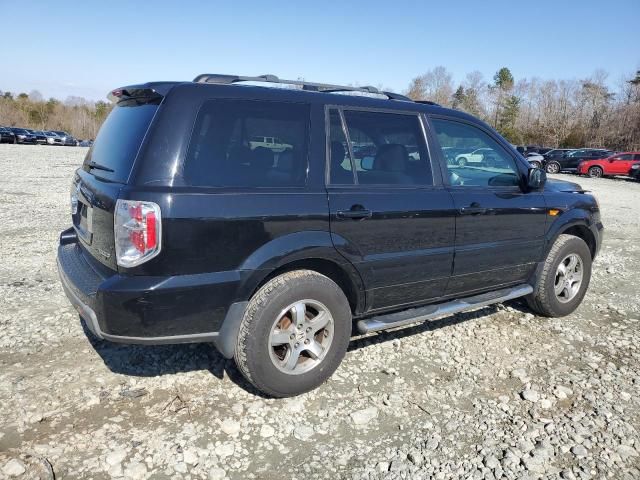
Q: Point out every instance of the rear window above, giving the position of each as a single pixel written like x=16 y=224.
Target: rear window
x=232 y=145
x=119 y=139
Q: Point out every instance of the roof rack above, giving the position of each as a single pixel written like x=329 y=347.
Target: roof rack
x=427 y=102
x=222 y=79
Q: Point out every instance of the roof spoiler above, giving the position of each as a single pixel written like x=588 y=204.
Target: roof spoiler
x=151 y=90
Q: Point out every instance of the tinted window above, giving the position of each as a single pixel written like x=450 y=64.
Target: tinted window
x=119 y=139
x=626 y=156
x=483 y=162
x=388 y=148
x=340 y=167
x=232 y=144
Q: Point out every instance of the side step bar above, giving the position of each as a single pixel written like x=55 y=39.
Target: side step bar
x=431 y=312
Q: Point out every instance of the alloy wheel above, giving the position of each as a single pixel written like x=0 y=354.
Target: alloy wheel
x=301 y=337
x=569 y=276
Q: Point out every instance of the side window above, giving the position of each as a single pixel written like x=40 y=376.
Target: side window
x=388 y=148
x=481 y=161
x=625 y=157
x=232 y=145
x=340 y=168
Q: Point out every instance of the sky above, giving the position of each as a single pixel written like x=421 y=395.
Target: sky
x=88 y=48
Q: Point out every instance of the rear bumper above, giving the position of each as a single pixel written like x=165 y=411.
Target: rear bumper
x=151 y=310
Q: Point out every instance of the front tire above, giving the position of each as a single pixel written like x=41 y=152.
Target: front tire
x=294 y=333
x=462 y=162
x=553 y=167
x=595 y=172
x=564 y=278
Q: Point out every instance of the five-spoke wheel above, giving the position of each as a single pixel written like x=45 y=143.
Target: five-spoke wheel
x=301 y=336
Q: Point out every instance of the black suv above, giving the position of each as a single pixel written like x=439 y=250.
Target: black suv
x=571 y=160
x=7 y=136
x=185 y=229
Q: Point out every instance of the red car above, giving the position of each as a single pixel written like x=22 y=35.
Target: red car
x=617 y=164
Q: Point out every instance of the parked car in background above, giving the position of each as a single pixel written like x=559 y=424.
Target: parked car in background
x=272 y=143
x=557 y=153
x=535 y=159
x=53 y=138
x=85 y=143
x=479 y=156
x=617 y=164
x=67 y=139
x=7 y=136
x=571 y=160
x=41 y=138
x=23 y=136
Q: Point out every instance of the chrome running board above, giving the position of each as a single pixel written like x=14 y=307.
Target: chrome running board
x=431 y=312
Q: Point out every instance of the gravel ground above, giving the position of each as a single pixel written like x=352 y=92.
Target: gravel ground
x=496 y=393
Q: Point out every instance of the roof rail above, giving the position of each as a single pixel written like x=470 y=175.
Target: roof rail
x=427 y=102
x=222 y=79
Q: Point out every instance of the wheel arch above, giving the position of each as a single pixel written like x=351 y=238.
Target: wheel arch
x=313 y=250
x=578 y=227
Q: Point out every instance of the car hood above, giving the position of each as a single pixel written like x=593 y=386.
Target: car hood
x=554 y=185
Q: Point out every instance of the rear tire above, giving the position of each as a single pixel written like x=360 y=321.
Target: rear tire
x=553 y=167
x=279 y=349
x=596 y=172
x=564 y=278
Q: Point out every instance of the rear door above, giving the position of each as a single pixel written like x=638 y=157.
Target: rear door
x=389 y=216
x=499 y=228
x=105 y=170
x=621 y=164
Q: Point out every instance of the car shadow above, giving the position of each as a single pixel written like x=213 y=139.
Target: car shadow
x=158 y=360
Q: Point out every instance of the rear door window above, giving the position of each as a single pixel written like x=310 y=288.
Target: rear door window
x=119 y=139
x=387 y=148
x=232 y=145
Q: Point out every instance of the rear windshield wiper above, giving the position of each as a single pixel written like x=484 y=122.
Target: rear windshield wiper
x=97 y=166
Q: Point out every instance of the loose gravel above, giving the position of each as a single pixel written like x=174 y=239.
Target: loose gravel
x=496 y=393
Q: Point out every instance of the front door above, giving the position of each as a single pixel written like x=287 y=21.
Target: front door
x=388 y=216
x=499 y=228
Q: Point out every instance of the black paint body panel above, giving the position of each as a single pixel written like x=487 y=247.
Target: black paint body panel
x=220 y=244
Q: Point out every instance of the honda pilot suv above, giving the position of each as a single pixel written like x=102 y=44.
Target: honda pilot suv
x=186 y=228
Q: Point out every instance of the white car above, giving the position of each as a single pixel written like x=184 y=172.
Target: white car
x=272 y=143
x=535 y=159
x=53 y=138
x=477 y=156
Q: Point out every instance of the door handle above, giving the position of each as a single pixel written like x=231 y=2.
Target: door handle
x=354 y=214
x=473 y=209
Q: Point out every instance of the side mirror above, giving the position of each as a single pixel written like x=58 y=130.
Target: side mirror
x=536 y=180
x=366 y=163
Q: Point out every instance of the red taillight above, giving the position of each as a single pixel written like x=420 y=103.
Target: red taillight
x=137 y=228
x=151 y=230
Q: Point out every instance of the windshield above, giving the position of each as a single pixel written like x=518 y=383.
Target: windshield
x=119 y=139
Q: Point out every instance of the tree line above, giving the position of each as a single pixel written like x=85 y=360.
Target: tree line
x=552 y=113
x=76 y=115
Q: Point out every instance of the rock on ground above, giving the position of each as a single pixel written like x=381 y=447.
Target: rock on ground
x=441 y=400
